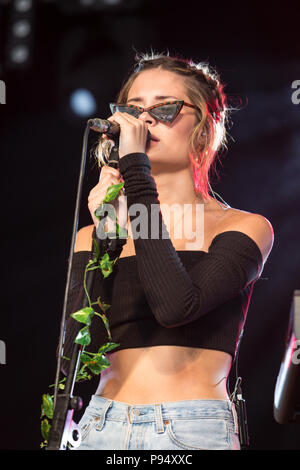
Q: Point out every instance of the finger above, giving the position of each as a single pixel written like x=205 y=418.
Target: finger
x=106 y=182
x=102 y=186
x=110 y=171
x=123 y=118
x=107 y=168
x=109 y=174
x=131 y=124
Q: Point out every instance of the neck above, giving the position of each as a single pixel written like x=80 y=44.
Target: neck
x=177 y=187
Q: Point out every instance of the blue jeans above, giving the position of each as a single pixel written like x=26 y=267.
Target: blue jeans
x=188 y=424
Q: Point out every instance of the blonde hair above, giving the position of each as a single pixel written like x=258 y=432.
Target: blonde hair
x=204 y=89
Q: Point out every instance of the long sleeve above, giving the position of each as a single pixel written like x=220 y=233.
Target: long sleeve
x=175 y=296
x=77 y=294
x=74 y=303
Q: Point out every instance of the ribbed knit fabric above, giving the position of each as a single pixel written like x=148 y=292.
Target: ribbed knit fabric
x=174 y=296
x=162 y=296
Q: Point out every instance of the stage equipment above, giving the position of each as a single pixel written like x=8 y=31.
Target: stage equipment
x=287 y=390
x=64 y=431
x=20 y=34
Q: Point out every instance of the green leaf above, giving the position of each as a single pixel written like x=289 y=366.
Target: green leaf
x=106 y=265
x=106 y=324
x=45 y=429
x=97 y=368
x=85 y=358
x=113 y=191
x=61 y=382
x=96 y=248
x=98 y=363
x=47 y=405
x=82 y=374
x=84 y=315
x=107 y=347
x=83 y=337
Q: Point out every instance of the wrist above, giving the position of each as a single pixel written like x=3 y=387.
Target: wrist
x=124 y=152
x=130 y=160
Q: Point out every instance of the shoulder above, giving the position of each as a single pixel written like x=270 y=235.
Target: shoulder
x=84 y=238
x=256 y=226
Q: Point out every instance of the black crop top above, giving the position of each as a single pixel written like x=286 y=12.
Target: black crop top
x=161 y=296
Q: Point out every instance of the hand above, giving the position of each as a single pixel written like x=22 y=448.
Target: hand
x=133 y=133
x=108 y=177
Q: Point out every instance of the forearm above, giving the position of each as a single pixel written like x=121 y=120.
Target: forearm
x=172 y=297
x=175 y=296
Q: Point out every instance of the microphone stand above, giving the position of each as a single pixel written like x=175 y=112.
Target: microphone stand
x=64 y=430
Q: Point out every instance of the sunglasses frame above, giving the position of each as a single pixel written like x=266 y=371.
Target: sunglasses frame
x=180 y=104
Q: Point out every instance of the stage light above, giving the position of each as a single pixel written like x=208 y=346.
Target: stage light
x=86 y=3
x=19 y=42
x=90 y=6
x=112 y=2
x=19 y=54
x=21 y=28
x=83 y=103
x=22 y=6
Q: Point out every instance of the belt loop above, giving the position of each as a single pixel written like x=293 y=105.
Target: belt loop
x=103 y=414
x=235 y=418
x=158 y=419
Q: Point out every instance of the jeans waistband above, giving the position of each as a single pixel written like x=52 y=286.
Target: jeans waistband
x=160 y=412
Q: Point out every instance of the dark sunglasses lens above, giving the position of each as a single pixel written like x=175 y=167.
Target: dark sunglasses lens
x=167 y=112
x=125 y=109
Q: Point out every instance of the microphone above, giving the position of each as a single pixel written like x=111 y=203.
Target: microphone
x=104 y=126
x=107 y=127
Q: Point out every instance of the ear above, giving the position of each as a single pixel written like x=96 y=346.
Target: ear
x=202 y=141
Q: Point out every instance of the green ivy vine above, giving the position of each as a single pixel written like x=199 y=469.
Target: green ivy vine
x=90 y=363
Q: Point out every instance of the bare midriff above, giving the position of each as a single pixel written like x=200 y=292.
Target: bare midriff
x=165 y=373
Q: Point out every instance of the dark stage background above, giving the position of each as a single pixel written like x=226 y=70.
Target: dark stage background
x=74 y=45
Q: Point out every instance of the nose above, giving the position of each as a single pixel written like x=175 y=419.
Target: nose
x=146 y=117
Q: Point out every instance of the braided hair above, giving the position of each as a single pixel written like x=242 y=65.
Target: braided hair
x=204 y=89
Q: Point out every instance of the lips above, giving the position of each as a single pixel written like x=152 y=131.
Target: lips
x=155 y=139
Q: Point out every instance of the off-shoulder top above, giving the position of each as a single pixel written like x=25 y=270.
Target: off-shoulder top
x=161 y=296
